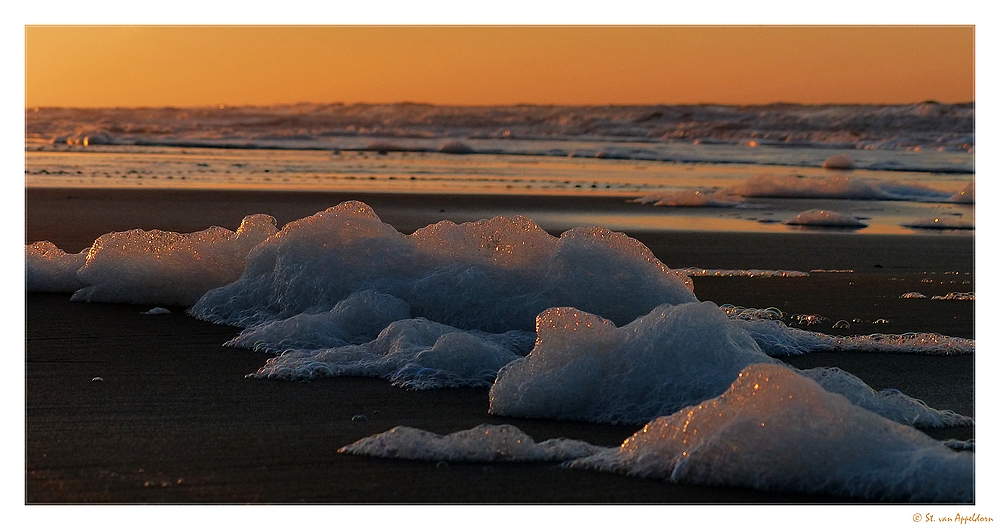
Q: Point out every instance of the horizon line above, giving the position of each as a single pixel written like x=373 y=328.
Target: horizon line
x=486 y=105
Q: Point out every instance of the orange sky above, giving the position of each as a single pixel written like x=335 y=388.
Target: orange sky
x=240 y=65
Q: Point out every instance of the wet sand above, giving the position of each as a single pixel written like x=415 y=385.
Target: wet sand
x=174 y=420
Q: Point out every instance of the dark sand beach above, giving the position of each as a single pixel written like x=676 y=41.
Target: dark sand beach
x=173 y=419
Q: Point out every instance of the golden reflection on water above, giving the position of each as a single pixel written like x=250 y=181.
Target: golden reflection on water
x=416 y=172
x=704 y=222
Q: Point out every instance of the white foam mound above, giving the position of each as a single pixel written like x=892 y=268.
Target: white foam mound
x=48 y=269
x=483 y=443
x=940 y=223
x=698 y=198
x=494 y=275
x=833 y=187
x=777 y=430
x=818 y=217
x=168 y=268
x=412 y=353
x=967 y=195
x=840 y=161
x=585 y=368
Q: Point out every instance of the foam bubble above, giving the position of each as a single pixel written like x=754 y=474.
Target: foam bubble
x=819 y=217
x=750 y=313
x=777 y=430
x=483 y=443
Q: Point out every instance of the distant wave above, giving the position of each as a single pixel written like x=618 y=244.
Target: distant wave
x=722 y=134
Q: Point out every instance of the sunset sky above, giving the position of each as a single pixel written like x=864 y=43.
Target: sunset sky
x=93 y=66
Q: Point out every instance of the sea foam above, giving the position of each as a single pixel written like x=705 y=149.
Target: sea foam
x=780 y=340
x=483 y=443
x=413 y=353
x=777 y=430
x=493 y=275
x=168 y=268
x=583 y=367
x=48 y=269
x=772 y=429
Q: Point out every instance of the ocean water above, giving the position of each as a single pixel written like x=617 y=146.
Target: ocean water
x=898 y=169
x=588 y=325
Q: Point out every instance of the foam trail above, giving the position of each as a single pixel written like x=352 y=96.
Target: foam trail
x=746 y=273
x=483 y=443
x=585 y=368
x=48 y=269
x=777 y=430
x=833 y=187
x=493 y=275
x=779 y=340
